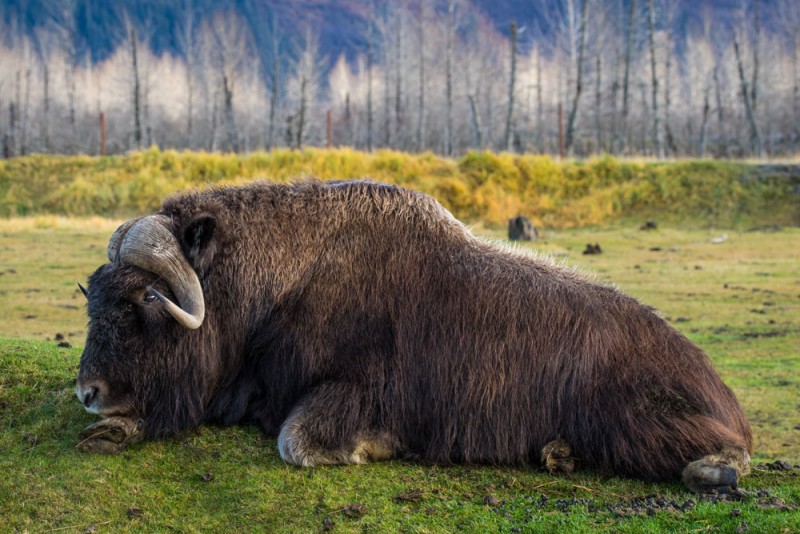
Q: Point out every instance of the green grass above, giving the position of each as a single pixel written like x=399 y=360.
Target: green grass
x=233 y=479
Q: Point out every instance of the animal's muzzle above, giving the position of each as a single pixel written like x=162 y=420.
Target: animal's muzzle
x=91 y=395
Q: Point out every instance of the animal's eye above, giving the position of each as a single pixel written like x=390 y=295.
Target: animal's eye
x=149 y=297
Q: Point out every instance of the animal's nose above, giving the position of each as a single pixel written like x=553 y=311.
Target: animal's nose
x=88 y=394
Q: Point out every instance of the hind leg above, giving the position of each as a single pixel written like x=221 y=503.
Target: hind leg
x=332 y=426
x=717 y=472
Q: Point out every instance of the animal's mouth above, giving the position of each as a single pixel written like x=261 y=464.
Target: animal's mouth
x=110 y=435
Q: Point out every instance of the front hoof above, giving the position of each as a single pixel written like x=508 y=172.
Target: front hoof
x=110 y=435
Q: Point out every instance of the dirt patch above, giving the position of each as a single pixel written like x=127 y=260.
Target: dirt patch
x=353 y=511
x=772 y=333
x=414 y=495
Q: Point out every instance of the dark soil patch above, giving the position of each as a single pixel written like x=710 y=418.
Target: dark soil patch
x=414 y=495
x=134 y=512
x=772 y=333
x=354 y=510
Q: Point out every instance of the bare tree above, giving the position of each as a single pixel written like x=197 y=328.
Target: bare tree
x=669 y=19
x=45 y=40
x=370 y=62
x=185 y=38
x=136 y=94
x=68 y=30
x=512 y=76
x=651 y=26
x=227 y=45
x=421 y=107
x=570 y=131
x=789 y=21
x=628 y=58
x=755 y=136
x=306 y=85
x=451 y=29
x=275 y=76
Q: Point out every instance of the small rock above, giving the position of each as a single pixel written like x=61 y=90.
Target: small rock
x=328 y=524
x=736 y=512
x=59 y=336
x=65 y=344
x=491 y=500
x=208 y=476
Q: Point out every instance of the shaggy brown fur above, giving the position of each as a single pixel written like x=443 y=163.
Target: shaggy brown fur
x=380 y=327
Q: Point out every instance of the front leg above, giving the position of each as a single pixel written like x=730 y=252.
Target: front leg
x=333 y=425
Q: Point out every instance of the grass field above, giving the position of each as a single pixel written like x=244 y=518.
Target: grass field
x=739 y=300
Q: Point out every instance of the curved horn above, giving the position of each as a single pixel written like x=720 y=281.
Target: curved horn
x=116 y=239
x=147 y=243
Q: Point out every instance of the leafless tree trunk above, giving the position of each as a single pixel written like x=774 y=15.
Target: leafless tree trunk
x=135 y=90
x=476 y=123
x=69 y=32
x=232 y=142
x=387 y=87
x=704 y=125
x=651 y=24
x=398 y=81
x=626 y=77
x=9 y=146
x=421 y=110
x=756 y=45
x=667 y=94
x=448 y=124
x=755 y=136
x=573 y=114
x=274 y=88
x=507 y=136
x=539 y=104
x=720 y=114
x=26 y=110
x=348 y=120
x=598 y=102
x=45 y=106
x=185 y=36
x=796 y=85
x=370 y=61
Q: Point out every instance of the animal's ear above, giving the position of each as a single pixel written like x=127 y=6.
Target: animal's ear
x=199 y=241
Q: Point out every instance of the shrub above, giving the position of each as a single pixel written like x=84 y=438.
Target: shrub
x=480 y=186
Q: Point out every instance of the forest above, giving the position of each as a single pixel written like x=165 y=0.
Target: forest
x=650 y=78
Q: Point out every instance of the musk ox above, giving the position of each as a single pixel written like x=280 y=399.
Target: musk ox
x=357 y=322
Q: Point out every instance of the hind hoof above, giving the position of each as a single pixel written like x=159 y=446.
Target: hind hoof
x=704 y=477
x=557 y=458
